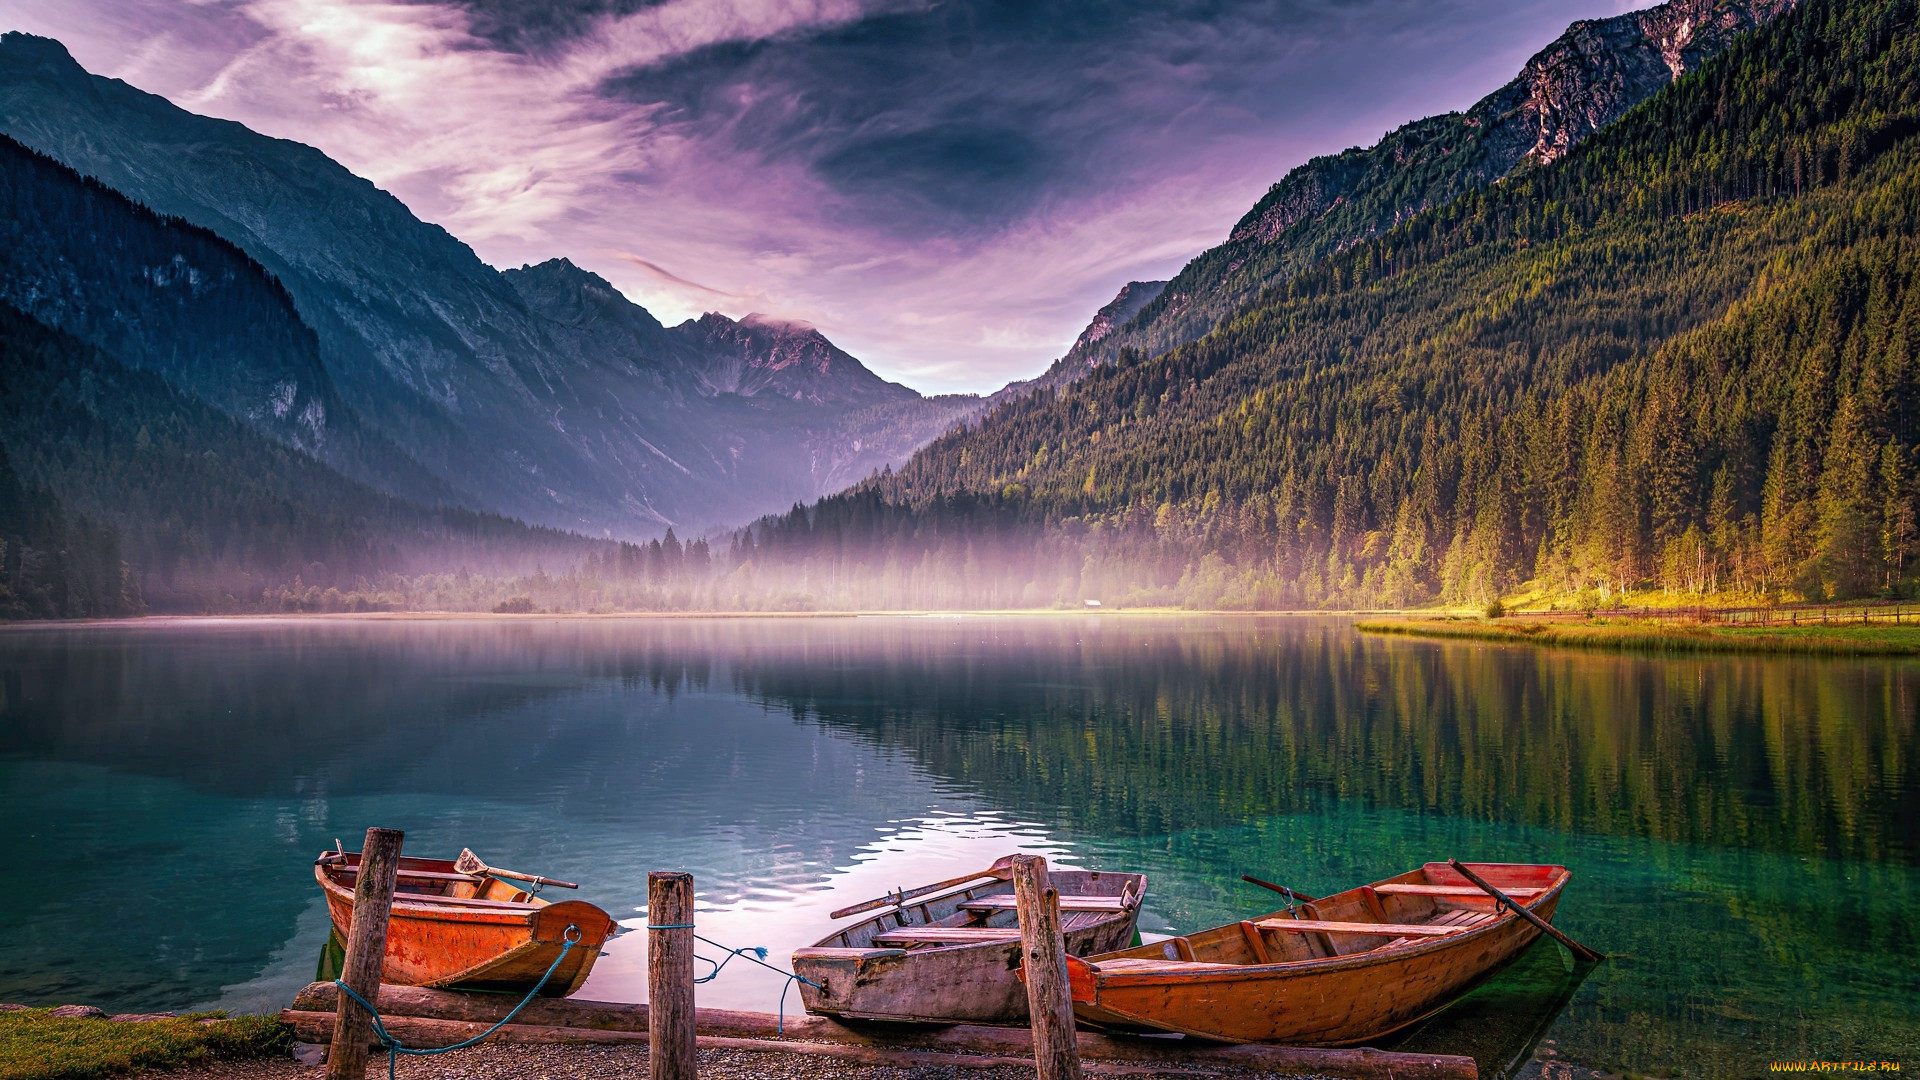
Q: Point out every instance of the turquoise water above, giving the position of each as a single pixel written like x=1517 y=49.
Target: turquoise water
x=1744 y=831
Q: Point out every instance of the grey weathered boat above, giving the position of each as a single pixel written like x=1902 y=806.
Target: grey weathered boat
x=949 y=955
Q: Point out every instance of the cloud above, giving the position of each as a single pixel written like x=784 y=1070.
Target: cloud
x=948 y=189
x=669 y=276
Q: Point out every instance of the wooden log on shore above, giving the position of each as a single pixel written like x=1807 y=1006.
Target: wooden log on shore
x=872 y=1055
x=422 y=1017
x=366 y=953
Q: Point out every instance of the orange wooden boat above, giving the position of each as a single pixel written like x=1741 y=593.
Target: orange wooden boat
x=478 y=930
x=1341 y=970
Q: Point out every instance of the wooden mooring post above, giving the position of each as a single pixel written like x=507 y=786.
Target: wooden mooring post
x=366 y=952
x=670 y=1015
x=1043 y=947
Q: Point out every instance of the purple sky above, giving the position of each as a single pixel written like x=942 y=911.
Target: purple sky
x=948 y=190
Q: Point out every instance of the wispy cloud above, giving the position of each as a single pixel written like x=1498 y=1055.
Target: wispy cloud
x=668 y=276
x=947 y=189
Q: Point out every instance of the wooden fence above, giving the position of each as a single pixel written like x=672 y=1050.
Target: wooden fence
x=1781 y=615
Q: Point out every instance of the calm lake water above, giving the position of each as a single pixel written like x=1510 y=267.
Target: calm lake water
x=1744 y=831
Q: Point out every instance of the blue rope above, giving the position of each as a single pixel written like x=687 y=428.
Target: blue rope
x=567 y=941
x=755 y=953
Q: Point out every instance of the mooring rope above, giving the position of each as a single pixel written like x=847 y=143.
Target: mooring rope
x=394 y=1048
x=755 y=953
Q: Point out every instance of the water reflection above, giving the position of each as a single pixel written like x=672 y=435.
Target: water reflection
x=1747 y=829
x=1504 y=1021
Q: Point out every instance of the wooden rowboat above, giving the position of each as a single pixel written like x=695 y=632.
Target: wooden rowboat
x=1339 y=971
x=470 y=931
x=949 y=956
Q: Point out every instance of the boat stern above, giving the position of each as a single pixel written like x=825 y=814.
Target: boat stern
x=844 y=982
x=1082 y=980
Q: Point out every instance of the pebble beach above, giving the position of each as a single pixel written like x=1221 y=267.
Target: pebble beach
x=523 y=1062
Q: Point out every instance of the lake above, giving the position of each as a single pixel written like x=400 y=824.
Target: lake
x=1744 y=832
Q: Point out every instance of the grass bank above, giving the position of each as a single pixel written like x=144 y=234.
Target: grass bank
x=1641 y=635
x=36 y=1046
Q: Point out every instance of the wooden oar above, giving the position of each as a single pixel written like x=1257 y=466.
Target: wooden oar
x=1002 y=868
x=1580 y=952
x=1281 y=889
x=469 y=863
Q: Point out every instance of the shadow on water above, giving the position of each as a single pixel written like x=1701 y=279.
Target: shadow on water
x=1503 y=1021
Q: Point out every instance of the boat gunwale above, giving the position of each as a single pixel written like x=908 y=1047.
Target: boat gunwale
x=1205 y=972
x=1013 y=932
x=443 y=910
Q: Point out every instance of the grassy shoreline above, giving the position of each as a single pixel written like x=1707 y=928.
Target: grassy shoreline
x=1640 y=635
x=35 y=1045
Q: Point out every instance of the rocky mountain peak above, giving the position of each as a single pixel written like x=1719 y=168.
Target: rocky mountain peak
x=782 y=327
x=1133 y=296
x=1584 y=80
x=1600 y=68
x=26 y=51
x=762 y=355
x=575 y=297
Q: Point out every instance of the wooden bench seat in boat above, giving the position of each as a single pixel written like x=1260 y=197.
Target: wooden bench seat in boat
x=461 y=901
x=948 y=935
x=1473 y=891
x=1078 y=920
x=1133 y=964
x=1322 y=926
x=817 y=952
x=1463 y=919
x=1004 y=902
x=352 y=873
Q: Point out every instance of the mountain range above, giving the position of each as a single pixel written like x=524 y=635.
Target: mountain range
x=542 y=393
x=1683 y=354
x=1328 y=407
x=1584 y=80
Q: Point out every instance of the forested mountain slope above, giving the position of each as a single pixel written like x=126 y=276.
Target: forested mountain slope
x=163 y=419
x=1584 y=80
x=1684 y=353
x=112 y=465
x=164 y=296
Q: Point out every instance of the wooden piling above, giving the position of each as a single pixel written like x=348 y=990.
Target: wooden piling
x=1043 y=948
x=670 y=1016
x=366 y=952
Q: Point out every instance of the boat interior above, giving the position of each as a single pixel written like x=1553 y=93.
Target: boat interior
x=984 y=912
x=436 y=881
x=1419 y=906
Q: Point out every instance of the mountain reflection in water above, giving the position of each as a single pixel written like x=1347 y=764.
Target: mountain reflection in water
x=1746 y=829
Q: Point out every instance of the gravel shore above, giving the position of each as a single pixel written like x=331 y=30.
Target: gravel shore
x=523 y=1062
